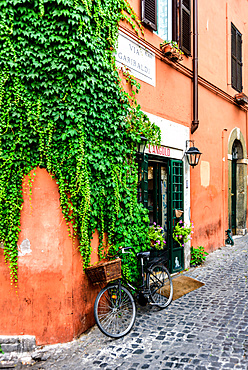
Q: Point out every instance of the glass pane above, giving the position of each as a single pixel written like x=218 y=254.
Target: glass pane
x=164 y=19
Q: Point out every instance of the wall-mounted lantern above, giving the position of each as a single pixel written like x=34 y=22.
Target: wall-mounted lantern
x=192 y=153
x=141 y=146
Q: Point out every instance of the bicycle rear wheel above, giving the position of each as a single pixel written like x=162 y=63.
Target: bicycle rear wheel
x=115 y=311
x=159 y=283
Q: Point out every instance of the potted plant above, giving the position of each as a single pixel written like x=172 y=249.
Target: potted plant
x=171 y=50
x=182 y=232
x=156 y=236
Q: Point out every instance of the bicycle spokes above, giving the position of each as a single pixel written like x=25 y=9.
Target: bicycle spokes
x=160 y=285
x=115 y=311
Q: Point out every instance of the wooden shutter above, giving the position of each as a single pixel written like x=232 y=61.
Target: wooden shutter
x=149 y=13
x=175 y=21
x=239 y=62
x=236 y=58
x=185 y=26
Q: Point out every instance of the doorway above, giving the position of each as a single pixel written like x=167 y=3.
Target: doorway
x=237 y=182
x=234 y=189
x=161 y=192
x=157 y=194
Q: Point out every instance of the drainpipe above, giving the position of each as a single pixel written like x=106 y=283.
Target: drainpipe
x=247 y=132
x=195 y=122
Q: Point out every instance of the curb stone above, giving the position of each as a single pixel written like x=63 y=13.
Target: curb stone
x=18 y=344
x=16 y=349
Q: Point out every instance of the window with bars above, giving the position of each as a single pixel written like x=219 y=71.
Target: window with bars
x=236 y=58
x=171 y=19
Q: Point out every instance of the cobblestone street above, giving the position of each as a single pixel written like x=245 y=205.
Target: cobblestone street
x=205 y=329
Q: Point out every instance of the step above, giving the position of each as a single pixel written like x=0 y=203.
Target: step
x=15 y=348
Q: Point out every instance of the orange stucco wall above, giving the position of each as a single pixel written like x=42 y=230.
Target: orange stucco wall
x=54 y=298
x=172 y=98
x=218 y=117
x=209 y=204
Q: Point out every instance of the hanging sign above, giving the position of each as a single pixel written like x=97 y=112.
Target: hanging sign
x=139 y=60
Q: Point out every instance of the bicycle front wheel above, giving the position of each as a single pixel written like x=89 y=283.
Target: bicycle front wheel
x=159 y=283
x=115 y=311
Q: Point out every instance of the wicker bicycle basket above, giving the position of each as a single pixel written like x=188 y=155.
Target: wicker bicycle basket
x=104 y=272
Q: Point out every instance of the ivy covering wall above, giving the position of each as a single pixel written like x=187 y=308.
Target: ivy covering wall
x=62 y=108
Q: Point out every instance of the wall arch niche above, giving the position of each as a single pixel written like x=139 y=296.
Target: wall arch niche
x=237 y=182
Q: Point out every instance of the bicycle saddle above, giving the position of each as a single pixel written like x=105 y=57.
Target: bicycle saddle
x=143 y=255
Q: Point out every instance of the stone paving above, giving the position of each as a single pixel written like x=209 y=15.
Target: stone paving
x=204 y=329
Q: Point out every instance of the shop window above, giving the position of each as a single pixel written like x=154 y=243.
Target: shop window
x=236 y=58
x=157 y=194
x=171 y=19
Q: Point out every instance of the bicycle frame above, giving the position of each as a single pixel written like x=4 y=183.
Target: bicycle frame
x=115 y=309
x=141 y=288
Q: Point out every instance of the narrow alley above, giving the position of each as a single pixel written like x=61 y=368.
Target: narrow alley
x=205 y=329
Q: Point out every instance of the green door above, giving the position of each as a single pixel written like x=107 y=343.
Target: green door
x=161 y=192
x=175 y=201
x=233 y=195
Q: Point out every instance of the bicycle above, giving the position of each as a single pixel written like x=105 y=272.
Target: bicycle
x=115 y=308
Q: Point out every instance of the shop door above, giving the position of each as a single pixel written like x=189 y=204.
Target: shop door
x=161 y=192
x=175 y=201
x=157 y=194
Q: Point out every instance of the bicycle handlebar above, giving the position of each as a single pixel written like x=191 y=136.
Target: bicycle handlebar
x=126 y=249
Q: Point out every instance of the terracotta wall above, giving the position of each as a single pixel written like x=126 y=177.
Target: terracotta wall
x=54 y=300
x=218 y=114
x=209 y=180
